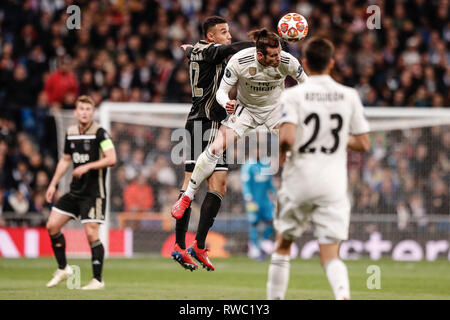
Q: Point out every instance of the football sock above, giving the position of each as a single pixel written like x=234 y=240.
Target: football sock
x=59 y=248
x=98 y=252
x=204 y=167
x=208 y=212
x=338 y=278
x=181 y=226
x=278 y=276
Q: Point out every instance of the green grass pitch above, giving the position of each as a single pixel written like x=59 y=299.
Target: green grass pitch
x=156 y=278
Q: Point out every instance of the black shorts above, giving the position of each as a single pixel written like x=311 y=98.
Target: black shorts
x=200 y=134
x=87 y=209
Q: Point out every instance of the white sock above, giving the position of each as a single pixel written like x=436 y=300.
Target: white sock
x=278 y=277
x=338 y=278
x=204 y=167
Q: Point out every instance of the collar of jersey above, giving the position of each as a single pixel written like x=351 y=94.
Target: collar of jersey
x=319 y=77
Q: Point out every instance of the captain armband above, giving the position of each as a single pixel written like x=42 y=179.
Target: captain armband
x=106 y=145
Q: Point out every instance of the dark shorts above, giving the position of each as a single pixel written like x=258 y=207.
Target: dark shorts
x=200 y=134
x=87 y=209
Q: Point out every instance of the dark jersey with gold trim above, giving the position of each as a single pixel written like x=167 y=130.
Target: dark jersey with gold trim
x=85 y=148
x=207 y=63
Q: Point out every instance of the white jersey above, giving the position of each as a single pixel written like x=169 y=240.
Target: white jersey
x=325 y=113
x=259 y=87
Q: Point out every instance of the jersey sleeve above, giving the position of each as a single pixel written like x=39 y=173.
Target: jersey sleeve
x=288 y=111
x=104 y=140
x=217 y=52
x=230 y=75
x=67 y=145
x=295 y=69
x=358 y=122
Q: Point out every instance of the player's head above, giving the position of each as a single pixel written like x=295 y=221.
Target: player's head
x=84 y=109
x=216 y=30
x=268 y=47
x=318 y=55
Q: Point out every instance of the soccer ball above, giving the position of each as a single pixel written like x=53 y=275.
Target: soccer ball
x=293 y=27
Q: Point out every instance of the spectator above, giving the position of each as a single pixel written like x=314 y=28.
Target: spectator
x=17 y=202
x=162 y=173
x=136 y=165
x=138 y=195
x=439 y=201
x=62 y=84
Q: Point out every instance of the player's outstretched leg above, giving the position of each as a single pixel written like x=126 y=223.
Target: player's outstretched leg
x=204 y=167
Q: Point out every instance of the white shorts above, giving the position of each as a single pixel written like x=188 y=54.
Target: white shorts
x=243 y=120
x=330 y=221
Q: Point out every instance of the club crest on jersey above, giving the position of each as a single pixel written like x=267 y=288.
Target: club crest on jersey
x=277 y=76
x=86 y=145
x=252 y=71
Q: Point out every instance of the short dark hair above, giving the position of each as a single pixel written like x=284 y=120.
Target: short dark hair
x=318 y=52
x=211 y=22
x=264 y=39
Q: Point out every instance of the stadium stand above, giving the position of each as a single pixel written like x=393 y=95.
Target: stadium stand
x=130 y=51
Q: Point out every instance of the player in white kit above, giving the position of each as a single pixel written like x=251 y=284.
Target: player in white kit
x=320 y=120
x=259 y=73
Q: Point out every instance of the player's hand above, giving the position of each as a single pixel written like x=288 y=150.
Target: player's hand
x=230 y=106
x=251 y=206
x=79 y=171
x=50 y=193
x=186 y=46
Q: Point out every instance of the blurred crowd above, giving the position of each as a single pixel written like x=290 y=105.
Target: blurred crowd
x=129 y=50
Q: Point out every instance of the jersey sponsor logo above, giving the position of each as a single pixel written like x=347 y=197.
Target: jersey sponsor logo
x=80 y=157
x=252 y=71
x=227 y=73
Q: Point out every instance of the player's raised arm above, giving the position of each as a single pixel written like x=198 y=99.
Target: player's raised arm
x=218 y=52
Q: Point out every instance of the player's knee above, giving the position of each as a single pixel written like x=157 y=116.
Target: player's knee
x=283 y=246
x=221 y=188
x=52 y=228
x=92 y=233
x=218 y=185
x=92 y=236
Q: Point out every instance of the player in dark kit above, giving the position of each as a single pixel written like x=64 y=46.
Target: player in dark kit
x=90 y=149
x=207 y=61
